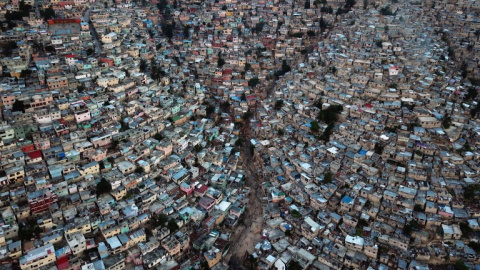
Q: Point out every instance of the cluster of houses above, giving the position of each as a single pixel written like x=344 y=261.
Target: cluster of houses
x=123 y=126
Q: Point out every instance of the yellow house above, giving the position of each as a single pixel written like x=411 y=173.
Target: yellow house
x=212 y=257
x=119 y=193
x=15 y=249
x=38 y=257
x=90 y=168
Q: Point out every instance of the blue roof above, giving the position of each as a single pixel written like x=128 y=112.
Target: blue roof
x=347 y=199
x=362 y=152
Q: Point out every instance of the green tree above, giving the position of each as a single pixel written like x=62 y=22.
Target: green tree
x=278 y=104
x=328 y=177
x=186 y=31
x=447 y=122
x=328 y=131
x=475 y=246
x=220 y=62
x=253 y=82
x=259 y=27
x=162 y=219
x=307 y=4
x=466 y=230
x=18 y=106
x=330 y=114
x=81 y=88
x=472 y=93
x=143 y=65
x=246 y=116
x=210 y=110
x=378 y=149
x=167 y=29
x=418 y=208
x=296 y=214
x=25 y=73
x=139 y=170
x=386 y=11
x=327 y=9
x=294 y=265
x=8 y=47
x=350 y=3
x=197 y=148
x=172 y=225
x=48 y=13
x=460 y=265
x=103 y=187
x=162 y=5
x=314 y=126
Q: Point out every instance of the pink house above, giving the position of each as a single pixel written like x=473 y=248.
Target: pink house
x=207 y=203
x=165 y=146
x=83 y=115
x=445 y=211
x=101 y=141
x=42 y=145
x=99 y=155
x=187 y=188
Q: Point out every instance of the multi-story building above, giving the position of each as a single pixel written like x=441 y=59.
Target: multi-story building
x=38 y=258
x=41 y=200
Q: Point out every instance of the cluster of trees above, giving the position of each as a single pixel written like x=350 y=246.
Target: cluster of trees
x=386 y=11
x=258 y=27
x=186 y=31
x=162 y=220
x=23 y=11
x=25 y=73
x=285 y=69
x=103 y=187
x=472 y=93
x=409 y=227
x=156 y=72
x=225 y=106
x=278 y=104
x=8 y=47
x=18 y=106
x=48 y=13
x=328 y=177
x=162 y=5
x=168 y=28
x=447 y=121
x=296 y=35
x=327 y=9
x=350 y=3
x=328 y=116
x=472 y=192
x=210 y=110
x=26 y=231
x=246 y=116
x=220 y=62
x=143 y=65
x=253 y=82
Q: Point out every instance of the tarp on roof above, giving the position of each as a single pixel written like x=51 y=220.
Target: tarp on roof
x=62 y=263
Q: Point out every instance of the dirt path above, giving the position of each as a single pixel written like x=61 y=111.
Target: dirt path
x=247 y=236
